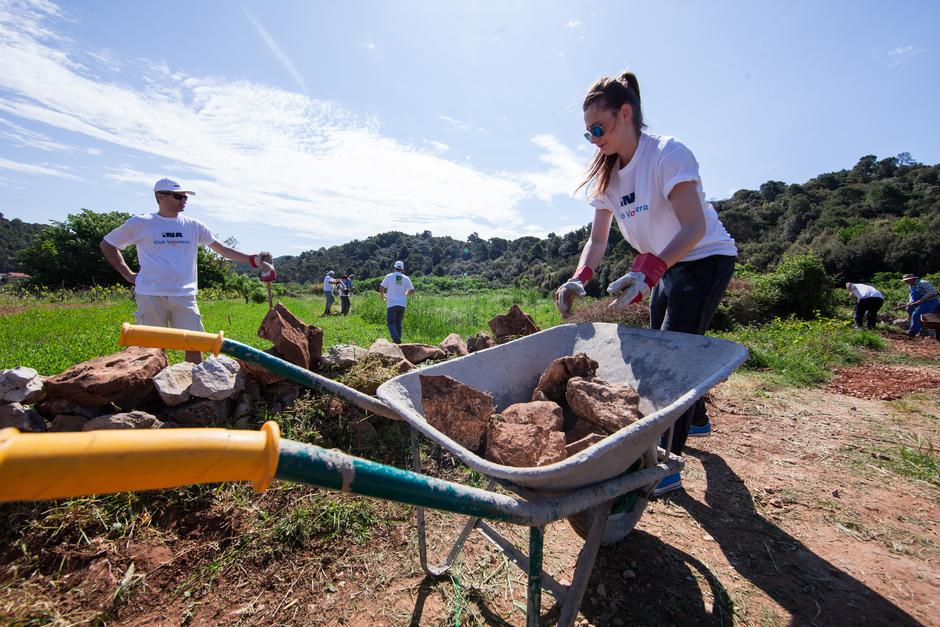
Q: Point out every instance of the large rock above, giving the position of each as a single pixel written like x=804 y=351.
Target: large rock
x=20 y=417
x=342 y=356
x=20 y=385
x=553 y=383
x=480 y=341
x=417 y=353
x=579 y=445
x=390 y=354
x=52 y=407
x=545 y=414
x=217 y=379
x=514 y=323
x=611 y=406
x=581 y=429
x=126 y=420
x=173 y=383
x=203 y=412
x=125 y=379
x=453 y=344
x=455 y=409
x=260 y=374
x=294 y=340
x=523 y=445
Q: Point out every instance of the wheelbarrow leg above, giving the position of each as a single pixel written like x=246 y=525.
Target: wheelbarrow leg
x=534 y=591
x=582 y=571
x=472 y=523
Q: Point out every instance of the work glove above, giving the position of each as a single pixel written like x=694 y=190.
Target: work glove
x=265 y=261
x=645 y=273
x=573 y=288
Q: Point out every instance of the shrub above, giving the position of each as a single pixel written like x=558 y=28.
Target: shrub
x=798 y=287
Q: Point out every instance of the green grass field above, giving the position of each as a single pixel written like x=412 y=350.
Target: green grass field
x=51 y=337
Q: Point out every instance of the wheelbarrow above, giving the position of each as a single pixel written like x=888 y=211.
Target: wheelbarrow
x=602 y=490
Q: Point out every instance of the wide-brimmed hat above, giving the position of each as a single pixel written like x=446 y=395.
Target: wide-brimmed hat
x=908 y=277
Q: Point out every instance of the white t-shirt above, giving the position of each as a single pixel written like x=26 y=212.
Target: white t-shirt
x=327 y=283
x=166 y=250
x=638 y=196
x=860 y=291
x=396 y=284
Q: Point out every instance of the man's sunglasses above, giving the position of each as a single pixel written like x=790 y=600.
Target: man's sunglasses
x=175 y=195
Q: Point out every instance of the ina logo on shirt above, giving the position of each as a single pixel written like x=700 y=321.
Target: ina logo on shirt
x=628 y=199
x=171 y=234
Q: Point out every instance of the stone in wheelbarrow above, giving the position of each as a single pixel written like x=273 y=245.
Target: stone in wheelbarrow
x=553 y=383
x=456 y=410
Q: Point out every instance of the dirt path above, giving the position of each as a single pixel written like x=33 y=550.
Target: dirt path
x=799 y=509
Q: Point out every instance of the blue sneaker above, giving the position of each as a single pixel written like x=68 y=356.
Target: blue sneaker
x=668 y=484
x=701 y=431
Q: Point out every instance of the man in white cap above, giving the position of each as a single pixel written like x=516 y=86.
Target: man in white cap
x=165 y=287
x=396 y=288
x=923 y=300
x=329 y=283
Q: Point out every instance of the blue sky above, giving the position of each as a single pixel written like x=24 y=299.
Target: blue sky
x=305 y=124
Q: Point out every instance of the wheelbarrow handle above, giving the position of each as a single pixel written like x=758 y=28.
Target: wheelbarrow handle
x=39 y=466
x=159 y=337
x=177 y=339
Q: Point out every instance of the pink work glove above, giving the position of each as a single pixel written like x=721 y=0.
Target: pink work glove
x=645 y=273
x=264 y=261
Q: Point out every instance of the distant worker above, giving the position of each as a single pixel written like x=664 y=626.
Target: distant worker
x=396 y=288
x=922 y=300
x=329 y=284
x=165 y=287
x=343 y=287
x=869 y=302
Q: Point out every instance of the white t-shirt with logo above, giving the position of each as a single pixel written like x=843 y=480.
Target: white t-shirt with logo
x=166 y=250
x=860 y=291
x=327 y=284
x=396 y=285
x=638 y=196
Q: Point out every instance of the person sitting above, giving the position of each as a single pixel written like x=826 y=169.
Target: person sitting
x=922 y=300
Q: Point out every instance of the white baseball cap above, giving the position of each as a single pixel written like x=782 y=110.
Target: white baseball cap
x=399 y=265
x=167 y=185
x=329 y=273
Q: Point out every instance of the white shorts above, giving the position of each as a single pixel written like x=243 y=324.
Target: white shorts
x=178 y=312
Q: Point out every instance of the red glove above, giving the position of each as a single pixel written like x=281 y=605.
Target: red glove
x=645 y=273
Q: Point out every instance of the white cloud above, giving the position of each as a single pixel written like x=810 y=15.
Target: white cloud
x=899 y=54
x=368 y=45
x=564 y=174
x=29 y=168
x=261 y=155
x=438 y=147
x=276 y=50
x=573 y=23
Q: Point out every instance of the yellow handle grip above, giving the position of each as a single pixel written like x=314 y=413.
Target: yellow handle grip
x=162 y=337
x=38 y=466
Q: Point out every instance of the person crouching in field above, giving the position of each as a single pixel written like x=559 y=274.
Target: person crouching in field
x=396 y=288
x=922 y=300
x=651 y=186
x=869 y=302
x=165 y=286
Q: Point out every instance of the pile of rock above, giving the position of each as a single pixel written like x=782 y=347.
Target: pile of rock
x=136 y=388
x=570 y=410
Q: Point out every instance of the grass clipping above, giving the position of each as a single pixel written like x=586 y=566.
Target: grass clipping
x=367 y=375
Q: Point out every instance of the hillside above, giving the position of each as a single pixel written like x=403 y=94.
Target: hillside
x=14 y=235
x=880 y=216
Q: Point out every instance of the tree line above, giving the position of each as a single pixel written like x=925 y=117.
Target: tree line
x=880 y=216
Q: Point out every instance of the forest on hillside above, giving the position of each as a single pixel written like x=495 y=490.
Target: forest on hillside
x=880 y=216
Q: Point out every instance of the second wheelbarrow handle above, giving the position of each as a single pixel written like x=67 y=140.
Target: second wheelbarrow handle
x=179 y=339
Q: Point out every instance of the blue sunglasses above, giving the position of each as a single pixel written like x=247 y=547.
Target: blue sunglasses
x=596 y=130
